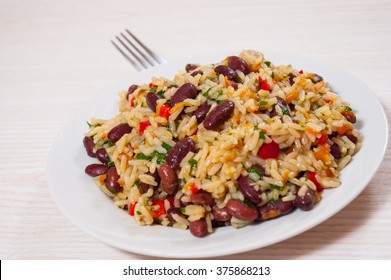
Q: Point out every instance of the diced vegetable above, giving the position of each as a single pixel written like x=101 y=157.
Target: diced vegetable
x=131 y=208
x=165 y=111
x=160 y=209
x=312 y=176
x=269 y=150
x=323 y=139
x=143 y=127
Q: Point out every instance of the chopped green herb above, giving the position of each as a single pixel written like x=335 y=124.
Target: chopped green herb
x=138 y=213
x=276 y=187
x=220 y=93
x=157 y=220
x=110 y=143
x=142 y=156
x=267 y=63
x=272 y=75
x=138 y=185
x=176 y=124
x=166 y=146
x=262 y=135
x=153 y=89
x=206 y=93
x=255 y=170
x=193 y=163
x=285 y=149
x=161 y=158
x=248 y=203
x=110 y=164
x=348 y=109
x=219 y=101
x=160 y=93
x=285 y=111
x=262 y=103
x=183 y=210
x=274 y=201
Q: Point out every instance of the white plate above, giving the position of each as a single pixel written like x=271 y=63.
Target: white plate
x=89 y=209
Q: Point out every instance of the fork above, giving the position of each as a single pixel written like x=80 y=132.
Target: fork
x=131 y=45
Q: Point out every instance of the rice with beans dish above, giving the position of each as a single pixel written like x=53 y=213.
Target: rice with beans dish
x=238 y=142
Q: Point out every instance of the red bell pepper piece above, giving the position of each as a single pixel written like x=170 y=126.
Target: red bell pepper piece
x=143 y=127
x=312 y=176
x=323 y=139
x=269 y=150
x=165 y=111
x=131 y=208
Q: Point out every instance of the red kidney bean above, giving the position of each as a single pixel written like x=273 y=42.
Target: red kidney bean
x=221 y=214
x=216 y=224
x=151 y=99
x=349 y=117
x=315 y=78
x=179 y=151
x=96 y=169
x=201 y=111
x=202 y=198
x=89 y=145
x=248 y=190
x=226 y=71
x=190 y=67
x=307 y=201
x=284 y=108
x=198 y=228
x=352 y=138
x=185 y=91
x=242 y=211
x=146 y=186
x=234 y=84
x=291 y=77
x=274 y=210
x=173 y=210
x=168 y=178
x=335 y=151
x=102 y=155
x=118 y=131
x=219 y=115
x=236 y=63
x=131 y=89
x=195 y=73
x=112 y=180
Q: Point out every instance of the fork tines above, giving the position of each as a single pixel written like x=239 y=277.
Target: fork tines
x=138 y=54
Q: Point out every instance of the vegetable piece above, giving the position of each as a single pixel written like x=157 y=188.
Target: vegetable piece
x=131 y=208
x=143 y=127
x=269 y=150
x=263 y=84
x=165 y=111
x=131 y=101
x=312 y=176
x=161 y=209
x=323 y=139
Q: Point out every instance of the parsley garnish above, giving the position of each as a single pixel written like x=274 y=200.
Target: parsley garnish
x=166 y=146
x=193 y=163
x=276 y=187
x=267 y=63
x=255 y=170
x=160 y=93
x=348 y=109
x=262 y=135
x=262 y=103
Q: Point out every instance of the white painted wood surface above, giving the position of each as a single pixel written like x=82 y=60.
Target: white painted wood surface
x=55 y=55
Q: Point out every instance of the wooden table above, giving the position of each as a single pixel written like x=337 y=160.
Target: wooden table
x=55 y=55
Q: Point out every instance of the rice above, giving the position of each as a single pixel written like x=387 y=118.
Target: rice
x=271 y=137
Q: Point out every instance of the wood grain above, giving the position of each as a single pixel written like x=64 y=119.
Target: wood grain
x=55 y=55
